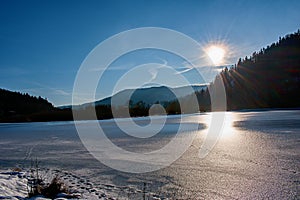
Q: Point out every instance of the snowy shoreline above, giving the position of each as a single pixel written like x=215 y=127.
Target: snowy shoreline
x=13 y=185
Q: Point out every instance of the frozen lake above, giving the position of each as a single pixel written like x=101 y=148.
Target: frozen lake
x=257 y=157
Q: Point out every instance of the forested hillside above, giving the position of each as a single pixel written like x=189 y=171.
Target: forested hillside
x=17 y=104
x=269 y=78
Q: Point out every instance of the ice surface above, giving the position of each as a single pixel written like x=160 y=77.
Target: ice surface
x=257 y=157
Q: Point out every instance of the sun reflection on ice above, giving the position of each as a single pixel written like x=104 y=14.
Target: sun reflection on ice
x=228 y=129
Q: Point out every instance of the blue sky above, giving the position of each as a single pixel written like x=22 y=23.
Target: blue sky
x=43 y=43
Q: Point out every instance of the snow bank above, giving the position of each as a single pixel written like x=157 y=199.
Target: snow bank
x=13 y=185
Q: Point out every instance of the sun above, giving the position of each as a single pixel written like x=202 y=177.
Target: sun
x=216 y=54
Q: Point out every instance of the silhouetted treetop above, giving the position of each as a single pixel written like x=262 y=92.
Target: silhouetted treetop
x=267 y=79
x=16 y=103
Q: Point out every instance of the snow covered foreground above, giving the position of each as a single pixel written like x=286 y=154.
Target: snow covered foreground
x=13 y=185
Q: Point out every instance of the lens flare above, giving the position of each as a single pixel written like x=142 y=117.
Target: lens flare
x=216 y=54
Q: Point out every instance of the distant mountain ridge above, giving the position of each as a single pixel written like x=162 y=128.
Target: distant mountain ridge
x=152 y=95
x=149 y=95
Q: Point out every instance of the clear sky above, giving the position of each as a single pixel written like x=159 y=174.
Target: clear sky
x=43 y=43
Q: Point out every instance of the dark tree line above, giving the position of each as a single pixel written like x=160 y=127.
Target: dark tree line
x=269 y=78
x=16 y=104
